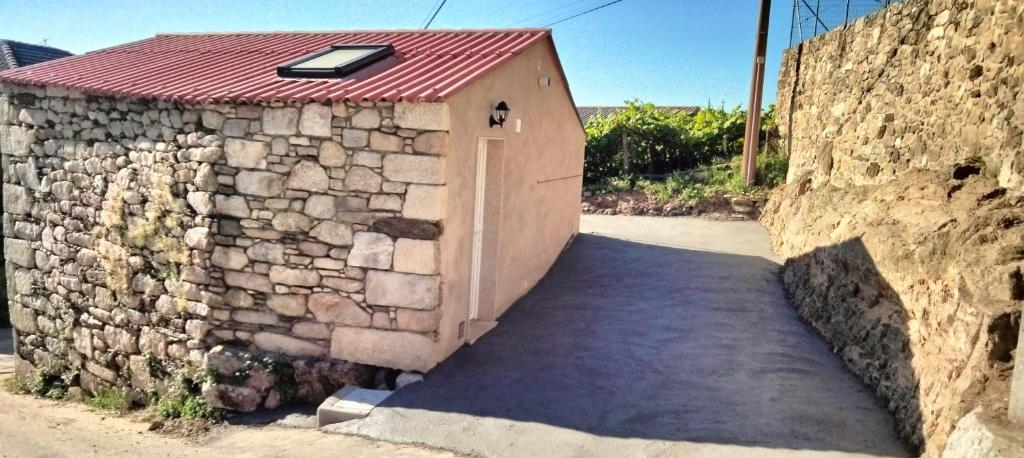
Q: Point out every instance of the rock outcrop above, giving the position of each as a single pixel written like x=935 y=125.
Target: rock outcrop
x=916 y=282
x=985 y=434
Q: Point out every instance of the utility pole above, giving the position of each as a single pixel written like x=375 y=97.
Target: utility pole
x=751 y=139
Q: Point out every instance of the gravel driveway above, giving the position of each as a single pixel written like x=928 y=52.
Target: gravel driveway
x=649 y=337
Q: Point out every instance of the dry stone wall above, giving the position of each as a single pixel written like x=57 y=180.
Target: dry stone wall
x=902 y=221
x=919 y=84
x=107 y=261
x=138 y=231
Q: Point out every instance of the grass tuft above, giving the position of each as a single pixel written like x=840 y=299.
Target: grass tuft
x=110 y=400
x=17 y=385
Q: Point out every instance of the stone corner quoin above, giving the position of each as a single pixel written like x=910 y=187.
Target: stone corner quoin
x=136 y=227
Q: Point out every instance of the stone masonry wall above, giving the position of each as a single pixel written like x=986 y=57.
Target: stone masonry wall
x=137 y=230
x=105 y=258
x=901 y=222
x=919 y=84
x=328 y=227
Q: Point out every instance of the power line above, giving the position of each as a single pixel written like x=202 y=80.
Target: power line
x=438 y=10
x=429 y=13
x=585 y=12
x=546 y=13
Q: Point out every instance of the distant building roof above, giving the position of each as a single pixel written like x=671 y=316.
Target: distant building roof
x=589 y=112
x=14 y=54
x=241 y=67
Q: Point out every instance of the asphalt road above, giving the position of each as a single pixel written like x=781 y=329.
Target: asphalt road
x=649 y=337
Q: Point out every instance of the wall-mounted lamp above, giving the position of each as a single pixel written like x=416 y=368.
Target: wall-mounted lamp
x=499 y=114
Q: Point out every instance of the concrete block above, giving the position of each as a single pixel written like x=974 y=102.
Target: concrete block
x=349 y=403
x=386 y=348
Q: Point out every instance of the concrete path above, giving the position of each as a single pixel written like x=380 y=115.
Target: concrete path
x=649 y=337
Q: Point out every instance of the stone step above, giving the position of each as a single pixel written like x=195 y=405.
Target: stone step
x=349 y=403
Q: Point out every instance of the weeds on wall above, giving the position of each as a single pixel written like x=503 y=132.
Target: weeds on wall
x=279 y=371
x=43 y=384
x=184 y=400
x=178 y=394
x=158 y=229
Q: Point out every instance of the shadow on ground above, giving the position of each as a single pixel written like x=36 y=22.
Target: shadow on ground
x=839 y=290
x=6 y=342
x=634 y=349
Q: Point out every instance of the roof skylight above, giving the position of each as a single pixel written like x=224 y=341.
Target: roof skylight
x=336 y=61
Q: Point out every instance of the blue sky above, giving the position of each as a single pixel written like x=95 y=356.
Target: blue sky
x=681 y=52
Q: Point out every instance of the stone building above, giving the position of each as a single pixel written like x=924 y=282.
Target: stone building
x=349 y=200
x=14 y=54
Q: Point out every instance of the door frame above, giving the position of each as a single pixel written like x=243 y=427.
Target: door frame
x=479 y=209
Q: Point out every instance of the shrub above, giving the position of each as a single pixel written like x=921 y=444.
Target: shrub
x=659 y=142
x=771 y=169
x=602 y=159
x=690 y=186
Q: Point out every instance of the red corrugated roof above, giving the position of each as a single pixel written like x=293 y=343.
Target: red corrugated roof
x=428 y=65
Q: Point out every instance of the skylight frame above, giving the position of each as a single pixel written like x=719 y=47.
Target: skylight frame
x=379 y=52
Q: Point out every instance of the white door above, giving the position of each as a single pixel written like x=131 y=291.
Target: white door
x=478 y=229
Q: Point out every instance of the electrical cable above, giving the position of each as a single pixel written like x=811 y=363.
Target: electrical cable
x=546 y=13
x=583 y=13
x=438 y=10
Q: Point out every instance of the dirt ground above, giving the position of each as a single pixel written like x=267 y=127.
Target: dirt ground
x=719 y=207
x=31 y=427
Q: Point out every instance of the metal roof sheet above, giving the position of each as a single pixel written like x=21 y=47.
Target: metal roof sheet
x=14 y=54
x=428 y=65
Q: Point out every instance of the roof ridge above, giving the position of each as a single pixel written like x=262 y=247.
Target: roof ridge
x=264 y=52
x=376 y=31
x=7 y=55
x=8 y=40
